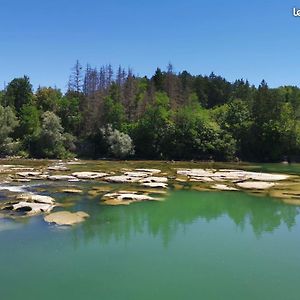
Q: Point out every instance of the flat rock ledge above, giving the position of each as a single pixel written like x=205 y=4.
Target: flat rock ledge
x=149 y=171
x=66 y=217
x=125 y=198
x=36 y=198
x=256 y=185
x=89 y=175
x=224 y=187
x=63 y=177
x=30 y=204
x=155 y=185
x=210 y=175
x=141 y=178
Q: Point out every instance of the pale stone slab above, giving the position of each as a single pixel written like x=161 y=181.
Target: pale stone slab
x=256 y=185
x=89 y=175
x=66 y=217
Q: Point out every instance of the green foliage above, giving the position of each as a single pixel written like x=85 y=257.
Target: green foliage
x=30 y=126
x=119 y=144
x=113 y=113
x=169 y=116
x=235 y=119
x=18 y=93
x=70 y=113
x=2 y=98
x=151 y=132
x=51 y=141
x=198 y=136
x=48 y=99
x=30 y=120
x=273 y=130
x=8 y=122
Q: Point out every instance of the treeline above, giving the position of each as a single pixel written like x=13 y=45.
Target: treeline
x=168 y=116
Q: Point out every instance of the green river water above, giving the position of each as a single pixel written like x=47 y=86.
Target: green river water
x=193 y=245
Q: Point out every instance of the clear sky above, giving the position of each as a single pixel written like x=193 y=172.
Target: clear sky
x=255 y=40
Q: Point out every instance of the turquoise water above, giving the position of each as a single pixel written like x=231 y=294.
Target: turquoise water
x=194 y=245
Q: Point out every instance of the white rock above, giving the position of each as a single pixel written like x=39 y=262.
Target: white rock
x=31 y=208
x=224 y=187
x=137 y=174
x=58 y=168
x=256 y=185
x=154 y=179
x=128 y=196
x=22 y=179
x=230 y=175
x=36 y=198
x=134 y=197
x=66 y=217
x=15 y=189
x=122 y=179
x=151 y=171
x=62 y=177
x=89 y=175
x=195 y=172
x=155 y=185
x=267 y=177
x=28 y=174
x=202 y=179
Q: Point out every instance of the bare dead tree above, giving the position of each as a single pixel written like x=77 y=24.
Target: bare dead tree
x=76 y=78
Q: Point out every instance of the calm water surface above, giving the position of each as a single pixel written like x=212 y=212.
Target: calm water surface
x=194 y=245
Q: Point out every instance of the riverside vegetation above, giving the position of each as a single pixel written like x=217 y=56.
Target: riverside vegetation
x=168 y=116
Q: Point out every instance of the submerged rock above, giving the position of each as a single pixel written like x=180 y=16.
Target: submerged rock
x=99 y=190
x=102 y=188
x=289 y=191
x=117 y=202
x=66 y=217
x=292 y=201
x=181 y=179
x=72 y=191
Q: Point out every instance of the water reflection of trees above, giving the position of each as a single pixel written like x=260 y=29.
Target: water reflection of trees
x=164 y=219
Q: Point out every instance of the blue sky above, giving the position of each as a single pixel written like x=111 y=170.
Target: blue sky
x=254 y=39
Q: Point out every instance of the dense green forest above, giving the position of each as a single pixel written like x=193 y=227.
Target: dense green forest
x=116 y=114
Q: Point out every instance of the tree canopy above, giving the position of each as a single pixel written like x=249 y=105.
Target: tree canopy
x=167 y=116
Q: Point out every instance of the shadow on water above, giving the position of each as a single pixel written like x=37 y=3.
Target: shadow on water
x=165 y=219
